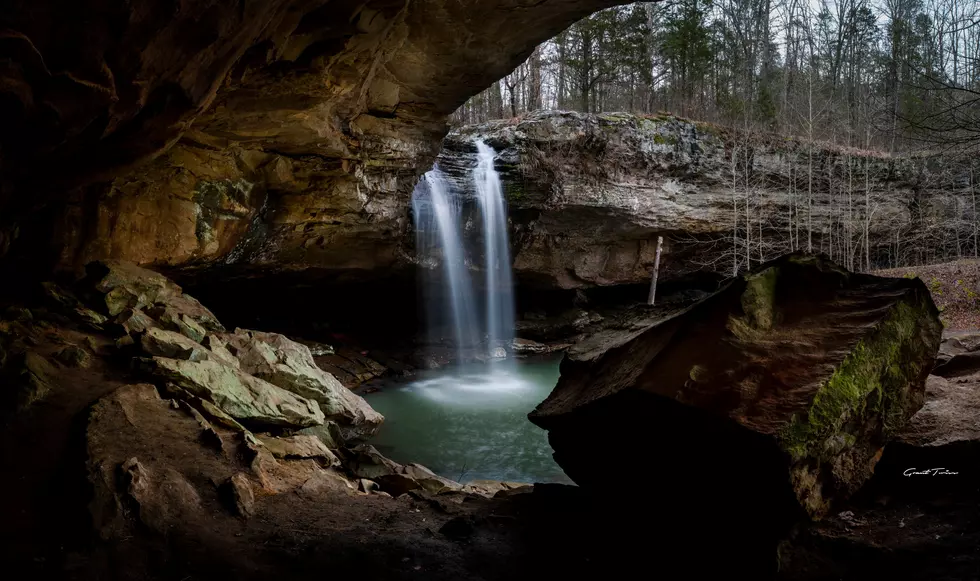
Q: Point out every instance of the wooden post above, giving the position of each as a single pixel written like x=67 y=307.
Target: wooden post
x=656 y=271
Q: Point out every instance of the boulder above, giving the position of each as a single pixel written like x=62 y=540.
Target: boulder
x=951 y=414
x=73 y=356
x=163 y=343
x=328 y=433
x=243 y=397
x=959 y=354
x=171 y=318
x=366 y=463
x=942 y=436
x=125 y=286
x=135 y=321
x=220 y=351
x=71 y=306
x=299 y=447
x=290 y=365
x=238 y=495
x=767 y=401
x=26 y=378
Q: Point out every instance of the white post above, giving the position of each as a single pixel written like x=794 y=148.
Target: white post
x=656 y=271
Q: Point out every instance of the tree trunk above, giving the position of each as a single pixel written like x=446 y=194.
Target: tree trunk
x=656 y=271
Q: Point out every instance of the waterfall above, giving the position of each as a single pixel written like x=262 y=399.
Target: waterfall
x=499 y=287
x=438 y=214
x=437 y=228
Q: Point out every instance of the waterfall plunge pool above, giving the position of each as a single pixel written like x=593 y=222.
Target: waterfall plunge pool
x=470 y=423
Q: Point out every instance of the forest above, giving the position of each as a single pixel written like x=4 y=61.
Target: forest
x=892 y=74
x=852 y=82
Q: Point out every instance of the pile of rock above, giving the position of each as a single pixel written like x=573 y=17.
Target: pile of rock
x=262 y=380
x=252 y=395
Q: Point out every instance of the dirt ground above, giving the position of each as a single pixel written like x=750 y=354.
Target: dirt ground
x=955 y=288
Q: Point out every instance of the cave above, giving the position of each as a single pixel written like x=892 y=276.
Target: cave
x=215 y=279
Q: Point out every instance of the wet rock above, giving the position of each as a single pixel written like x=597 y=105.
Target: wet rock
x=319 y=349
x=797 y=374
x=238 y=495
x=529 y=347
x=163 y=343
x=243 y=397
x=590 y=194
x=290 y=365
x=74 y=356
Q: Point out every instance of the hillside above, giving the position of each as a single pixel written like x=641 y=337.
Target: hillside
x=955 y=288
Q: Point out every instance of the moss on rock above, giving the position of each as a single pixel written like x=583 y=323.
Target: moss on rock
x=872 y=382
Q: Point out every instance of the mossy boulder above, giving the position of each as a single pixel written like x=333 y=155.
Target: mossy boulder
x=768 y=400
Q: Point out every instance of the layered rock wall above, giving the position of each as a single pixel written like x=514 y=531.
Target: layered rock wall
x=590 y=194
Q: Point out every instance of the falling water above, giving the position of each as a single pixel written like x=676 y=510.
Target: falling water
x=500 y=294
x=437 y=228
x=438 y=212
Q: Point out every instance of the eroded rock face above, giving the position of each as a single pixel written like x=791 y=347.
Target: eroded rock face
x=590 y=194
x=794 y=376
x=276 y=132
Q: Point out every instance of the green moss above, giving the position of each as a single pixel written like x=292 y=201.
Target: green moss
x=759 y=298
x=665 y=139
x=513 y=192
x=871 y=380
x=212 y=196
x=698 y=372
x=615 y=117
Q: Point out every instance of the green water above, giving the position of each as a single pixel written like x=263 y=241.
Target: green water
x=471 y=423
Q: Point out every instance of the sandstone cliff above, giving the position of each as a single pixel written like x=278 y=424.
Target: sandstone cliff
x=197 y=134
